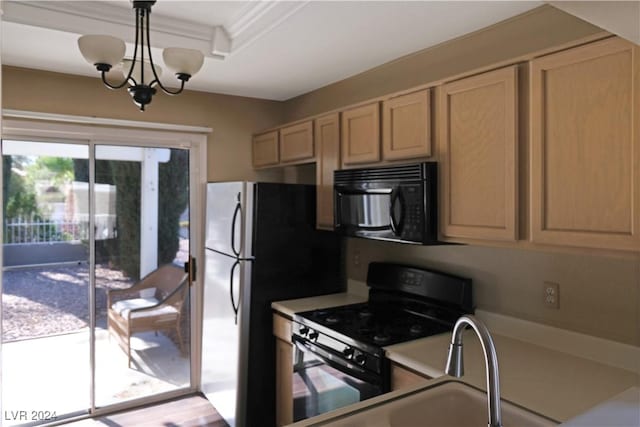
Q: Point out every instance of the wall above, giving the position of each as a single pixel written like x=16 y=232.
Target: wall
x=599 y=295
x=232 y=118
x=536 y=30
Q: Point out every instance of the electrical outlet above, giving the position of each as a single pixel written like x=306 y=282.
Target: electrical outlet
x=356 y=258
x=551 y=295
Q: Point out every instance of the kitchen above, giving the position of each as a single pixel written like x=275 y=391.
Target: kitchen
x=508 y=277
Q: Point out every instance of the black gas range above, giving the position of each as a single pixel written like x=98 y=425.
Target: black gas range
x=344 y=346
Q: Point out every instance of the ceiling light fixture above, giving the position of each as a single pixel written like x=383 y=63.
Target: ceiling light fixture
x=143 y=75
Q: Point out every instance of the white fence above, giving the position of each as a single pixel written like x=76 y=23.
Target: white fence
x=37 y=230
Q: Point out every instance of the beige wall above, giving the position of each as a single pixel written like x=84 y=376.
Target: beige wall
x=232 y=118
x=539 y=29
x=598 y=295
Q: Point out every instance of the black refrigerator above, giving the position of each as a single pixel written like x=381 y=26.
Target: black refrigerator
x=261 y=246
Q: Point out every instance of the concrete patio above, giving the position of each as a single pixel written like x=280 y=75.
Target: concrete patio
x=45 y=350
x=53 y=373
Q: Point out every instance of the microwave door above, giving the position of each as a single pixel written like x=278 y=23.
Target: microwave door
x=364 y=209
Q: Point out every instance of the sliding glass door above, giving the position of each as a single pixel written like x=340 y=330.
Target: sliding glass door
x=142 y=291
x=95 y=299
x=45 y=282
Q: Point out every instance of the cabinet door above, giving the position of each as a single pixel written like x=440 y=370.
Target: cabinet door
x=327 y=131
x=585 y=155
x=478 y=147
x=284 y=386
x=266 y=149
x=361 y=135
x=406 y=126
x=296 y=142
x=284 y=370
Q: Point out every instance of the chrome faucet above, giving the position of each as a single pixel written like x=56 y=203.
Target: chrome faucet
x=455 y=364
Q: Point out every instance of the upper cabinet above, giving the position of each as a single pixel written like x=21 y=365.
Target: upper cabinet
x=296 y=142
x=266 y=149
x=289 y=145
x=406 y=126
x=361 y=135
x=327 y=131
x=585 y=153
x=477 y=122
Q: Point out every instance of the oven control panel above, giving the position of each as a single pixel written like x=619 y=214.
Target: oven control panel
x=333 y=348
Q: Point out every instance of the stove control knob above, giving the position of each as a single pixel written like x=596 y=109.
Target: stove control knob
x=303 y=330
x=348 y=352
x=360 y=358
x=313 y=335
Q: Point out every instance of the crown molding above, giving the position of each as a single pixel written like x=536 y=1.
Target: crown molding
x=258 y=18
x=85 y=17
x=251 y=22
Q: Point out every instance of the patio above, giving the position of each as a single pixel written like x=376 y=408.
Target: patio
x=40 y=301
x=46 y=345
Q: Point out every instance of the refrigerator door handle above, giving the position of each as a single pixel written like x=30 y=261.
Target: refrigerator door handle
x=237 y=211
x=233 y=300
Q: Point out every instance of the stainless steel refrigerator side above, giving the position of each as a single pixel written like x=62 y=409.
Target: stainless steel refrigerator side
x=244 y=315
x=220 y=333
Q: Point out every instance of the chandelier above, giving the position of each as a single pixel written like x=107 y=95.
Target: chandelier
x=143 y=76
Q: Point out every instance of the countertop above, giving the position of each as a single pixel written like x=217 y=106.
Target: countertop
x=557 y=385
x=546 y=375
x=292 y=306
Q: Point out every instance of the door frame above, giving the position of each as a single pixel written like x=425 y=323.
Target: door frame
x=24 y=125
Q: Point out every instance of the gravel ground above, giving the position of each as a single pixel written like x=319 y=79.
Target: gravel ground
x=51 y=300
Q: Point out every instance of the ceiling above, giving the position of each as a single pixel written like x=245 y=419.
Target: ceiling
x=265 y=49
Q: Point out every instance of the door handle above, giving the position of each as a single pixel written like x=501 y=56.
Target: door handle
x=396 y=225
x=190 y=269
x=236 y=212
x=234 y=306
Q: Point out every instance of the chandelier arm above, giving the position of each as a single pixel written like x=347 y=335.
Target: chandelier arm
x=142 y=19
x=153 y=68
x=167 y=91
x=118 y=86
x=130 y=73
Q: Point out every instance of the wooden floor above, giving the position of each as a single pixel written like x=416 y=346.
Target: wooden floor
x=191 y=411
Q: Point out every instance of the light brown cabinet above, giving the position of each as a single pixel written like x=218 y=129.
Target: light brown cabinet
x=585 y=149
x=361 y=135
x=266 y=149
x=406 y=126
x=477 y=121
x=402 y=377
x=284 y=370
x=327 y=133
x=296 y=142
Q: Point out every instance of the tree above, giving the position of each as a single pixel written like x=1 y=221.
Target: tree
x=173 y=198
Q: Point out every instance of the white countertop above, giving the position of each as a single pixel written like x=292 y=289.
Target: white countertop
x=292 y=306
x=622 y=410
x=557 y=385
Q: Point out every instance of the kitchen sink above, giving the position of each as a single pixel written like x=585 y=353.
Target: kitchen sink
x=449 y=403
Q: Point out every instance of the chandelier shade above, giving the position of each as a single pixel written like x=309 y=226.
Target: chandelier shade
x=183 y=61
x=139 y=72
x=100 y=49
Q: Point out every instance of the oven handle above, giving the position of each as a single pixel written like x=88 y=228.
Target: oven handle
x=335 y=361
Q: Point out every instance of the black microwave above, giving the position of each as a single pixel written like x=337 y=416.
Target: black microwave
x=397 y=203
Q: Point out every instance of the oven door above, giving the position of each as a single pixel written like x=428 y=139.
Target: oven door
x=323 y=380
